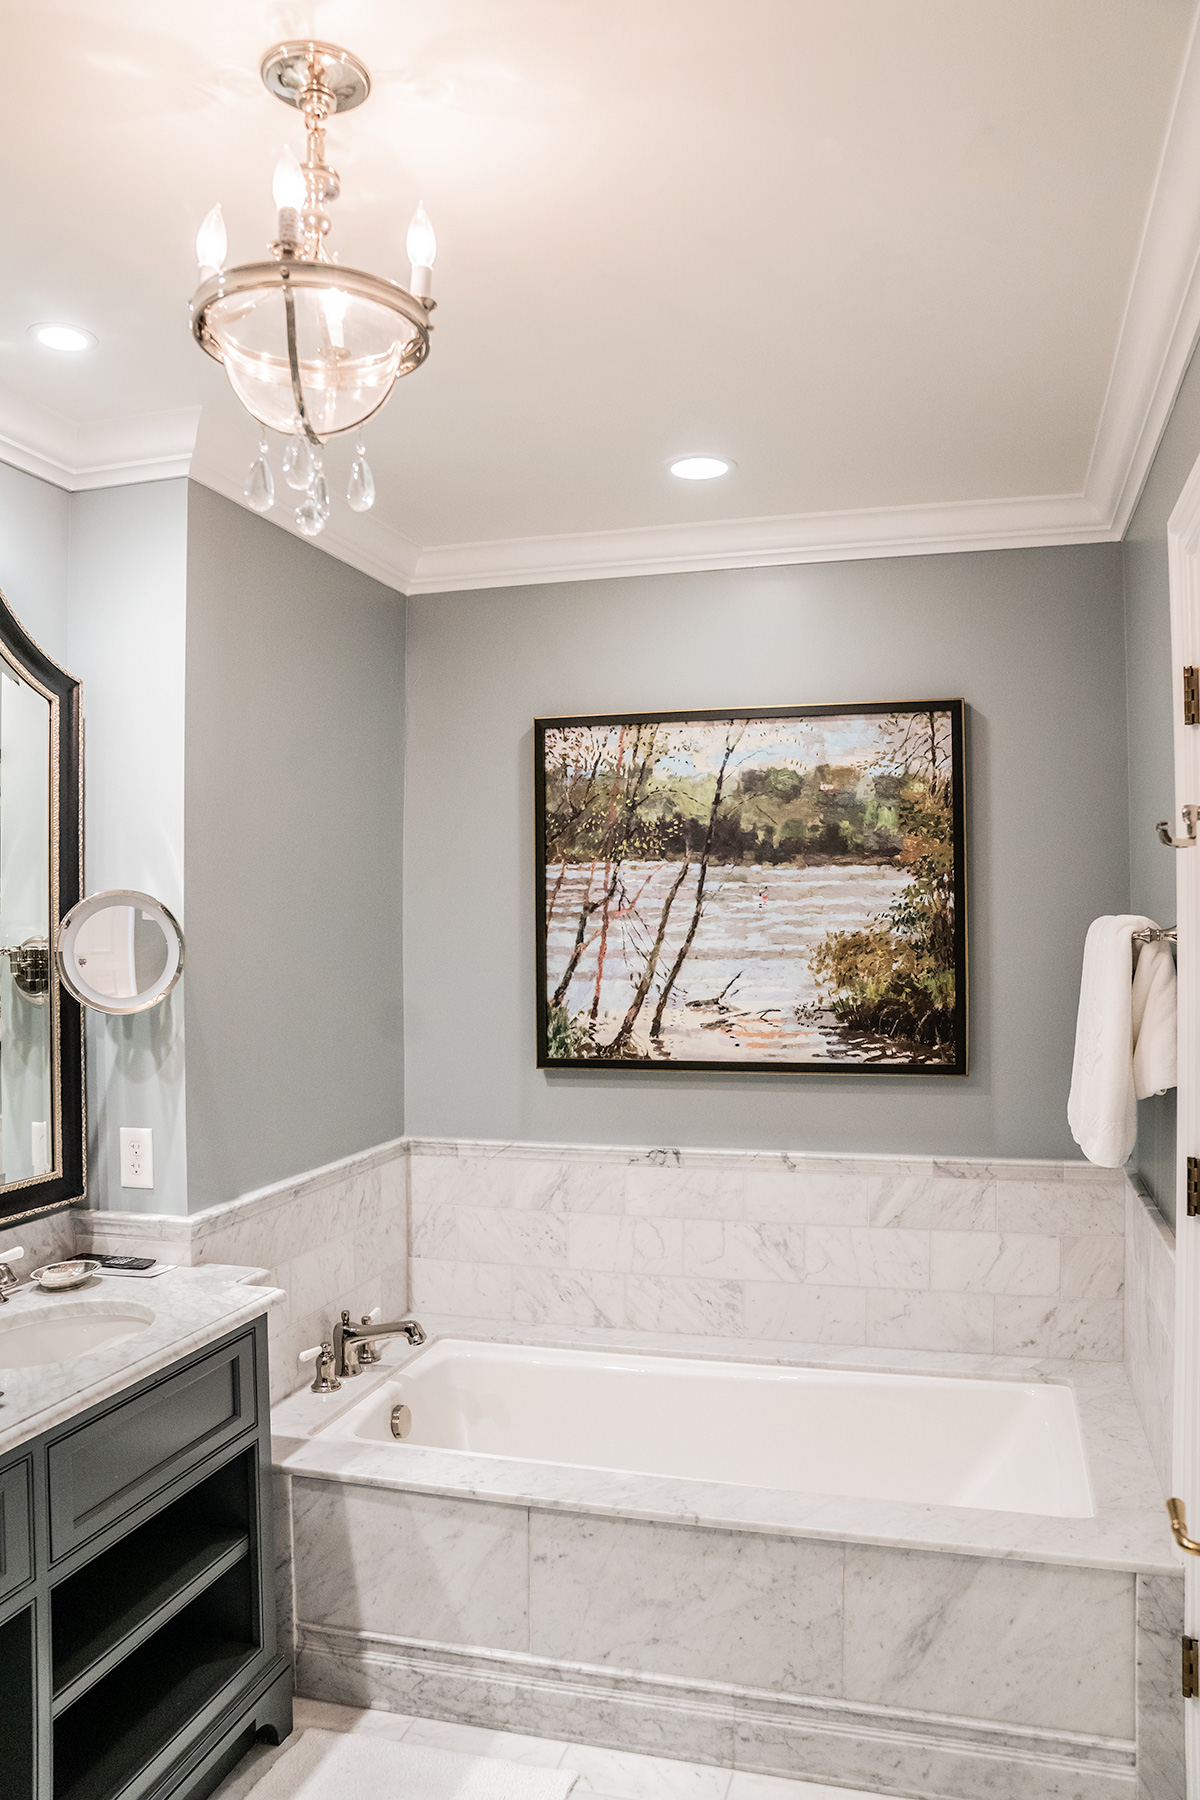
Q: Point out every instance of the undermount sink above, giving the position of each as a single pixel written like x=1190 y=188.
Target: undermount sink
x=51 y=1336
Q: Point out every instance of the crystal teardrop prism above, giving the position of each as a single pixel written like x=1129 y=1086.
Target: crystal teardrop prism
x=298 y=464
x=360 y=494
x=259 y=491
x=318 y=493
x=310 y=520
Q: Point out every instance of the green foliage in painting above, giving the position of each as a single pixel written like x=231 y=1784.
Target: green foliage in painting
x=896 y=978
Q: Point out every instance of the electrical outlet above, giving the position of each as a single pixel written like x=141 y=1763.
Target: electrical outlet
x=137 y=1156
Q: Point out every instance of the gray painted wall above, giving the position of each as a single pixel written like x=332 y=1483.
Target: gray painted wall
x=125 y=641
x=34 y=542
x=1034 y=641
x=1151 y=756
x=295 y=769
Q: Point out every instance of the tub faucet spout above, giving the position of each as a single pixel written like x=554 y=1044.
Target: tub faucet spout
x=348 y=1339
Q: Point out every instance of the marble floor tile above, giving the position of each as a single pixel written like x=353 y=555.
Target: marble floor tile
x=602 y=1774
x=748 y=1786
x=477 y=1740
x=624 y=1775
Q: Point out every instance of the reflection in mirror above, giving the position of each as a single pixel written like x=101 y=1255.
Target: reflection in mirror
x=120 y=951
x=26 y=1090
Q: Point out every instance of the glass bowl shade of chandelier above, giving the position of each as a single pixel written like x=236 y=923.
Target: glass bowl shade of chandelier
x=311 y=348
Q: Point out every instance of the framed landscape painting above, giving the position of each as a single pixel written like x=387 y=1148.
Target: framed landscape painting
x=781 y=889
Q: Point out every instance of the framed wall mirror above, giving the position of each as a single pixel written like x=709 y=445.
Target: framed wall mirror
x=42 y=1145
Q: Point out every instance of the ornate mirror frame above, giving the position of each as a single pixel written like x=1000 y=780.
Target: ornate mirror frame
x=66 y=1179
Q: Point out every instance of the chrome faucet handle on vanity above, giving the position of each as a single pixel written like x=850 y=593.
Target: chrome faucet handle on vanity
x=324 y=1379
x=348 y=1340
x=8 y=1280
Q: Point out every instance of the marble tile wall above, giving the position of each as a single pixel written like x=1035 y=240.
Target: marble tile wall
x=1150 y=1322
x=44 y=1240
x=1011 y=1258
x=931 y=1673
x=331 y=1238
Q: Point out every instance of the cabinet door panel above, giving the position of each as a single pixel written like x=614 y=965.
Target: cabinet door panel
x=101 y=1470
x=16 y=1542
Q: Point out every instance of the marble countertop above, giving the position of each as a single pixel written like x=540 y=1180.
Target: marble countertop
x=1129 y=1530
x=185 y=1309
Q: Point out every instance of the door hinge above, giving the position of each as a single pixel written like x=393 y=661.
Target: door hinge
x=1192 y=1186
x=1191 y=695
x=1191 y=1669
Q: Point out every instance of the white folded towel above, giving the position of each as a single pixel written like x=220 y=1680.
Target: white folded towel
x=1155 y=1040
x=1124 y=1047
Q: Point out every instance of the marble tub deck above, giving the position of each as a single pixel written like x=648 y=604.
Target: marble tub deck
x=600 y=1774
x=1128 y=1532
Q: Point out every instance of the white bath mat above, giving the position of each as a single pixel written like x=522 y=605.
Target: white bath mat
x=344 y=1765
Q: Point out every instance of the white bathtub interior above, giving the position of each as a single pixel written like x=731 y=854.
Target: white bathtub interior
x=1012 y=1446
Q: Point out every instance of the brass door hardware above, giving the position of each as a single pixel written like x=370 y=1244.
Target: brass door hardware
x=1188 y=842
x=1191 y=695
x=1192 y=1187
x=1191 y=1669
x=1177 y=1514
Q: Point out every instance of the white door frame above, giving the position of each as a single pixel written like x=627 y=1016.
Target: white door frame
x=1183 y=551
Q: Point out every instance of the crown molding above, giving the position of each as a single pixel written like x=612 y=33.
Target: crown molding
x=110 y=453
x=1161 y=323
x=758 y=543
x=375 y=549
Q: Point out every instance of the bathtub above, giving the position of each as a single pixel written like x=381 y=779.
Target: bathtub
x=1004 y=1445
x=907 y=1571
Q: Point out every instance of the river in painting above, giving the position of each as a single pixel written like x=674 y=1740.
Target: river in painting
x=747 y=989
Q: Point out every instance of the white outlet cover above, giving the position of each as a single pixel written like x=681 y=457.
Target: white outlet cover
x=137 y=1156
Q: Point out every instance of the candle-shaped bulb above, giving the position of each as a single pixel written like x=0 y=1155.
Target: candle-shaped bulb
x=421 y=245
x=333 y=304
x=212 y=244
x=288 y=186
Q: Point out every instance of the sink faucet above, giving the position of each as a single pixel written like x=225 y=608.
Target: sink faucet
x=347 y=1339
x=8 y=1280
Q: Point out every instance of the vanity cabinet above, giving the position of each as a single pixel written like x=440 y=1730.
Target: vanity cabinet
x=137 y=1613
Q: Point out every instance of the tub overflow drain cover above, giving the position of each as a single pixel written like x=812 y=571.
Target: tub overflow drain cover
x=401 y=1421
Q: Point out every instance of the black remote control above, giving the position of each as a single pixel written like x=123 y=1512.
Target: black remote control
x=125 y=1262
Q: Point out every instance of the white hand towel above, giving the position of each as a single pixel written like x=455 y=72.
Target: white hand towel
x=1154 y=1021
x=1102 y=1109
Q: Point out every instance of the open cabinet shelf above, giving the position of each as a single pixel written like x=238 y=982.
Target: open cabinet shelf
x=120 y=1599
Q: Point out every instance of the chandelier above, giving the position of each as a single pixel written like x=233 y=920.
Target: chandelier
x=311 y=348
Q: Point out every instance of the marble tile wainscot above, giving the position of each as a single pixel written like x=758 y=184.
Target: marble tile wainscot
x=1150 y=1322
x=1024 y=1259
x=332 y=1237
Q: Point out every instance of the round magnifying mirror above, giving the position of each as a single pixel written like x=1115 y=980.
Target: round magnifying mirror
x=120 y=951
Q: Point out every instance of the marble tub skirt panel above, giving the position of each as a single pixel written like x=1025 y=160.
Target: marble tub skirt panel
x=910 y=1672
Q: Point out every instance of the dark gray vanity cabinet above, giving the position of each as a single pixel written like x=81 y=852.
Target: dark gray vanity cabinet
x=137 y=1612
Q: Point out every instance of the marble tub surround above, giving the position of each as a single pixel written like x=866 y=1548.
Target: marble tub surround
x=1023 y=1259
x=1150 y=1323
x=1128 y=1531
x=776 y=1654
x=331 y=1238
x=189 y=1308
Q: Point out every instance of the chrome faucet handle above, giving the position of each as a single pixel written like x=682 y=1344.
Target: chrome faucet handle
x=367 y=1351
x=325 y=1379
x=8 y=1280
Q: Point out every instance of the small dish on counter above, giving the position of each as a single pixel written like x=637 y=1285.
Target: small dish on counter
x=54 y=1277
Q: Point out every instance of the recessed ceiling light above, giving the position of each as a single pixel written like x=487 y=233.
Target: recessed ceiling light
x=63 y=337
x=700 y=468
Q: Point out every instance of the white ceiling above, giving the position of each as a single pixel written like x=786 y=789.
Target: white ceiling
x=878 y=252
